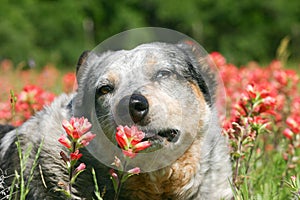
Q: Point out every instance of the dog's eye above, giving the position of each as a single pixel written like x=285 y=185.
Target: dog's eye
x=105 y=89
x=163 y=74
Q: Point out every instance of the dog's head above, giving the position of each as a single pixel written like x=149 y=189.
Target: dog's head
x=166 y=90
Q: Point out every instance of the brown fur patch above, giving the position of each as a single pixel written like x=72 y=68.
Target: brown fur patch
x=198 y=93
x=199 y=97
x=112 y=77
x=150 y=62
x=166 y=183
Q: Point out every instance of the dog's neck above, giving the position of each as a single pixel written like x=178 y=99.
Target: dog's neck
x=173 y=182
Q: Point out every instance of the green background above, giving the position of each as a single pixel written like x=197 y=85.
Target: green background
x=57 y=31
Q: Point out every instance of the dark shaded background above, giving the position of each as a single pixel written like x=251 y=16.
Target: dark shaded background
x=57 y=31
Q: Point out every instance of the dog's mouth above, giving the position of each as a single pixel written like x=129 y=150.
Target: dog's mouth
x=160 y=138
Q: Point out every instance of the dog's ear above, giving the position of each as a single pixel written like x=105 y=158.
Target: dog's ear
x=200 y=69
x=193 y=49
x=81 y=61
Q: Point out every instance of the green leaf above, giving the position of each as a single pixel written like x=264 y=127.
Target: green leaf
x=97 y=192
x=37 y=155
x=75 y=176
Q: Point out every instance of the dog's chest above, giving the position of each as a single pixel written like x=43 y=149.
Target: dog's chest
x=174 y=182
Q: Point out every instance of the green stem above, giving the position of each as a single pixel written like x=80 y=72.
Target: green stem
x=70 y=182
x=237 y=163
x=249 y=158
x=71 y=169
x=22 y=168
x=120 y=182
x=22 y=187
x=119 y=187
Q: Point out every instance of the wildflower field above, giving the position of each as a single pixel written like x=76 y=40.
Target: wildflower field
x=262 y=119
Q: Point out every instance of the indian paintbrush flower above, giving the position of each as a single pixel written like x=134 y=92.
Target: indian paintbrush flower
x=78 y=136
x=76 y=127
x=64 y=140
x=130 y=140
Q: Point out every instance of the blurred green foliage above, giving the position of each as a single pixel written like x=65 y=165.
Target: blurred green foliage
x=58 y=31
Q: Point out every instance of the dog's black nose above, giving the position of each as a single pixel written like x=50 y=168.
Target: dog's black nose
x=138 y=107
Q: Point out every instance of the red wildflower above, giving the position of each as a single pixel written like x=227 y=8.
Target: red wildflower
x=64 y=157
x=288 y=133
x=76 y=127
x=114 y=175
x=6 y=65
x=294 y=123
x=135 y=170
x=257 y=120
x=77 y=130
x=86 y=138
x=35 y=95
x=129 y=153
x=5 y=112
x=284 y=77
x=65 y=141
x=75 y=155
x=251 y=90
x=268 y=104
x=81 y=167
x=275 y=65
x=218 y=58
x=78 y=137
x=32 y=99
x=130 y=140
x=117 y=162
x=69 y=82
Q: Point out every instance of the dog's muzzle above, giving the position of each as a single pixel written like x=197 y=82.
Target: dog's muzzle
x=133 y=109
